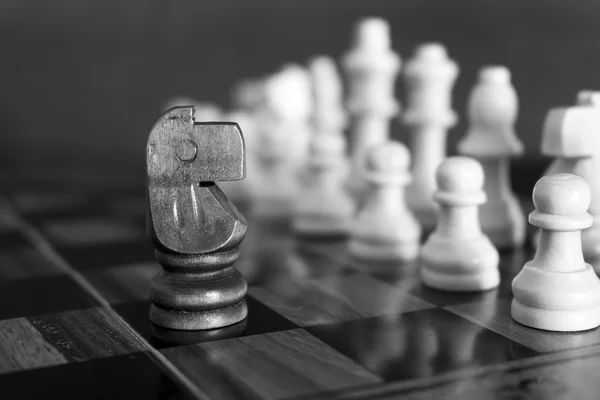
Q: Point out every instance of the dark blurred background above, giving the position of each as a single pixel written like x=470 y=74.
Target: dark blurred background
x=84 y=81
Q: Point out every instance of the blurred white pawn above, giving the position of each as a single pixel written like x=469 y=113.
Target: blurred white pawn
x=558 y=290
x=491 y=140
x=458 y=256
x=429 y=77
x=371 y=68
x=283 y=140
x=323 y=207
x=385 y=229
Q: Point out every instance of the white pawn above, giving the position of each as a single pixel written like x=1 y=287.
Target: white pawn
x=385 y=229
x=458 y=256
x=492 y=112
x=371 y=68
x=323 y=207
x=557 y=290
x=429 y=78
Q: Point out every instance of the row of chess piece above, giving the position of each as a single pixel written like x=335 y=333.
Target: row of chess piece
x=294 y=124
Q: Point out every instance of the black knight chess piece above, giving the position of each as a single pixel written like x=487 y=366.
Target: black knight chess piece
x=195 y=229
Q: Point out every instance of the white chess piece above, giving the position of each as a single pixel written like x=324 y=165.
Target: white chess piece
x=557 y=290
x=371 y=69
x=284 y=136
x=385 y=229
x=492 y=112
x=458 y=256
x=323 y=207
x=572 y=136
x=429 y=78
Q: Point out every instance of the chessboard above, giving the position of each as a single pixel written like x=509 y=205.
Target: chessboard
x=75 y=267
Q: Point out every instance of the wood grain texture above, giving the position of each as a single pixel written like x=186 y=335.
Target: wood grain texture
x=85 y=334
x=23 y=347
x=270 y=366
x=62 y=338
x=496 y=316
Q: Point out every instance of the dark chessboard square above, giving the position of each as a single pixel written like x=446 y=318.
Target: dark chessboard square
x=12 y=239
x=275 y=365
x=494 y=314
x=261 y=319
x=107 y=255
x=25 y=262
x=124 y=283
x=91 y=230
x=132 y=376
x=419 y=344
x=52 y=294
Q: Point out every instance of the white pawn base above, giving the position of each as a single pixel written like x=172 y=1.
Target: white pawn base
x=556 y=301
x=460 y=266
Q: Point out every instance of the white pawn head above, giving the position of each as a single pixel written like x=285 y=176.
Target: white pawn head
x=389 y=161
x=460 y=182
x=561 y=195
x=588 y=98
x=372 y=34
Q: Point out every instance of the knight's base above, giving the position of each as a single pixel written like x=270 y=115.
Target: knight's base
x=199 y=320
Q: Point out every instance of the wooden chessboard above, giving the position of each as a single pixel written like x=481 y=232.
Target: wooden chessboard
x=75 y=266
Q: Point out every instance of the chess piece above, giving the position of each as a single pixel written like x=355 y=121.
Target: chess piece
x=371 y=69
x=558 y=290
x=385 y=228
x=323 y=207
x=195 y=229
x=284 y=139
x=458 y=256
x=571 y=136
x=429 y=78
x=491 y=140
